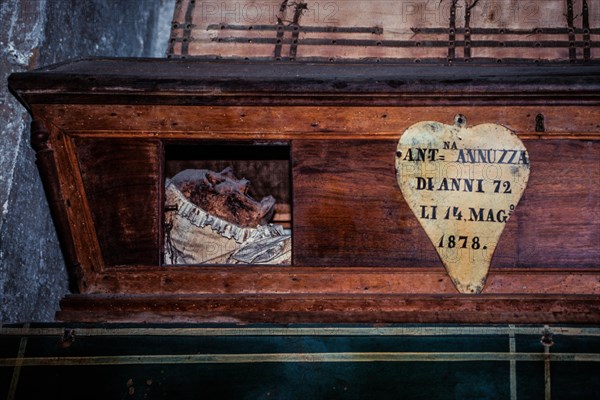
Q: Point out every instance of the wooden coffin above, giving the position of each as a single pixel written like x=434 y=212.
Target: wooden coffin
x=108 y=131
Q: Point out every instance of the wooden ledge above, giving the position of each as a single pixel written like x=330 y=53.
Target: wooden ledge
x=338 y=308
x=266 y=280
x=193 y=82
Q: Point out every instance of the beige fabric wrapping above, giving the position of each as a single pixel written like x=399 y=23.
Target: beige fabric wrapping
x=195 y=237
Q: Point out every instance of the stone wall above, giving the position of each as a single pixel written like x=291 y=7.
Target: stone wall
x=36 y=33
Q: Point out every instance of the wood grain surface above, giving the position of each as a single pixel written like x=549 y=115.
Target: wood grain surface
x=357 y=280
x=312 y=122
x=122 y=182
x=347 y=190
x=188 y=82
x=332 y=309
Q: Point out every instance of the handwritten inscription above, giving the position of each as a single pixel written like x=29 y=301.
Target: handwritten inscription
x=463 y=184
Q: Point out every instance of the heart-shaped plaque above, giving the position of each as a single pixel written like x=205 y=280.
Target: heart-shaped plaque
x=462 y=184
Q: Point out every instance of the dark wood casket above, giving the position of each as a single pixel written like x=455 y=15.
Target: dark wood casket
x=311 y=112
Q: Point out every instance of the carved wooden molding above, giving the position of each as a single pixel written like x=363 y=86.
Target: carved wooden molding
x=49 y=174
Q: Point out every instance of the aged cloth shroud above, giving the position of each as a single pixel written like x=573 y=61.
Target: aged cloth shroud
x=195 y=236
x=462 y=184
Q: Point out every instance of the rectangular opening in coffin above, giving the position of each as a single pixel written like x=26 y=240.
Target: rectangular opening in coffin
x=227 y=203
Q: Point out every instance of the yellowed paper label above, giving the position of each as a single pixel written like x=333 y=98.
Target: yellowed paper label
x=462 y=184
